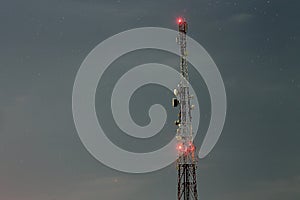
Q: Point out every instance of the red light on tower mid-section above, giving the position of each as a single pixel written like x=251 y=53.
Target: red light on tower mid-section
x=179 y=147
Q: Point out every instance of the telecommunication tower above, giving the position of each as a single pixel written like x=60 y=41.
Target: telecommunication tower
x=186 y=163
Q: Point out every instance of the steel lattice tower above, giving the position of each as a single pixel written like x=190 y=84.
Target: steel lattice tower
x=186 y=163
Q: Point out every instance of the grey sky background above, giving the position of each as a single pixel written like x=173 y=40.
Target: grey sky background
x=254 y=43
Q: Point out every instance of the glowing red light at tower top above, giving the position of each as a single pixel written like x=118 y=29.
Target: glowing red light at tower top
x=179 y=20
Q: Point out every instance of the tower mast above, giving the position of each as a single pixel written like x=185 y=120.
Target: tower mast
x=186 y=163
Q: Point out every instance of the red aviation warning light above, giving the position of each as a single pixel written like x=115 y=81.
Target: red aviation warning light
x=183 y=148
x=191 y=147
x=179 y=20
x=179 y=147
x=182 y=24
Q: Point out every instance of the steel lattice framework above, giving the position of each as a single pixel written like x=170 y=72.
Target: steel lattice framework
x=186 y=163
